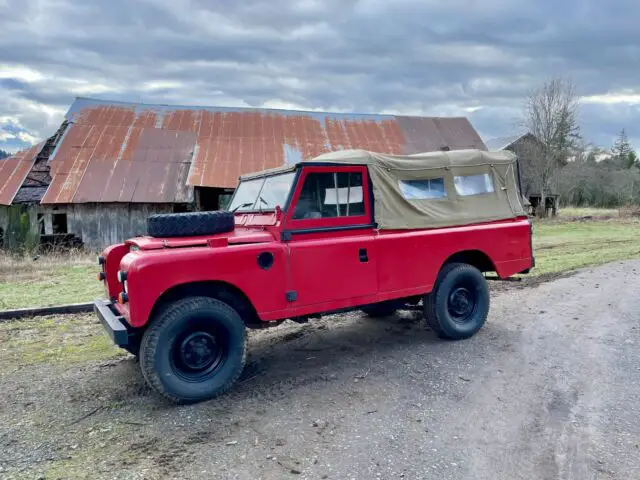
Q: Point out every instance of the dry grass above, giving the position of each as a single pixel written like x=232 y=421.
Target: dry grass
x=588 y=212
x=54 y=279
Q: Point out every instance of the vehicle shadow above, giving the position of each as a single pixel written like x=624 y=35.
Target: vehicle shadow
x=289 y=355
x=295 y=353
x=338 y=349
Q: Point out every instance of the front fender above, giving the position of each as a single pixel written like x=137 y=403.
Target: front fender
x=150 y=274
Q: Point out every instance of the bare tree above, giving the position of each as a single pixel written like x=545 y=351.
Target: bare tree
x=551 y=115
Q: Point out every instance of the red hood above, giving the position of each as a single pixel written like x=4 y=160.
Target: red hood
x=237 y=236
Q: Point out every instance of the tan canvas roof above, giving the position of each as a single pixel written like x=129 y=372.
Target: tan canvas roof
x=400 y=184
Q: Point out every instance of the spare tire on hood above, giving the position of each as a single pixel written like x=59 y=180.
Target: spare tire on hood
x=190 y=224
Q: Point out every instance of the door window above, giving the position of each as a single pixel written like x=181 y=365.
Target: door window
x=330 y=195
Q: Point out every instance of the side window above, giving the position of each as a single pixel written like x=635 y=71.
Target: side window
x=330 y=195
x=473 y=184
x=422 y=189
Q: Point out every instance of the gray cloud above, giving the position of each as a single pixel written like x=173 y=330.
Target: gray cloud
x=408 y=56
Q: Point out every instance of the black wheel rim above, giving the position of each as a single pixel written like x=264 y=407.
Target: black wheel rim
x=462 y=302
x=198 y=354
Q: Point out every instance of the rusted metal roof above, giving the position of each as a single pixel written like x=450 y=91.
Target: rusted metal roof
x=126 y=152
x=110 y=154
x=14 y=171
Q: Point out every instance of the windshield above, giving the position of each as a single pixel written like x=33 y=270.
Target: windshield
x=262 y=193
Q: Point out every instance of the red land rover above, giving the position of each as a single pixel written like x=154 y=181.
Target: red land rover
x=346 y=230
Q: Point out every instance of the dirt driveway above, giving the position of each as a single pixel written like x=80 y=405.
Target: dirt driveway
x=549 y=389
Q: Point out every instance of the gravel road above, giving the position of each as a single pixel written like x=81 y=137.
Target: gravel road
x=548 y=389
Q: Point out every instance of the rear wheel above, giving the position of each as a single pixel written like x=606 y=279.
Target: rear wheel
x=195 y=350
x=459 y=304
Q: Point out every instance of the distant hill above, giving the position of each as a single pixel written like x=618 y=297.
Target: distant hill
x=3 y=154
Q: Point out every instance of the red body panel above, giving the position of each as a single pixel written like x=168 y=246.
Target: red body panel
x=150 y=274
x=424 y=251
x=321 y=264
x=112 y=256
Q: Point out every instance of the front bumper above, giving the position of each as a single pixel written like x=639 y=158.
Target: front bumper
x=113 y=323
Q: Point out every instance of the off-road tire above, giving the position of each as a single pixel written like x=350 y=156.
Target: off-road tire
x=190 y=224
x=380 y=310
x=436 y=304
x=162 y=338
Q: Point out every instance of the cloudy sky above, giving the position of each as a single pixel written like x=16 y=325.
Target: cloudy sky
x=419 y=57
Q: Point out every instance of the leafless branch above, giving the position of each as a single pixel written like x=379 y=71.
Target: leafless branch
x=551 y=116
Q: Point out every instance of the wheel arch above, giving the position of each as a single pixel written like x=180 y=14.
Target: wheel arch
x=476 y=258
x=220 y=290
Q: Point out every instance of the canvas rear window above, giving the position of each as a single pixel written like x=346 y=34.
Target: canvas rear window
x=422 y=189
x=473 y=184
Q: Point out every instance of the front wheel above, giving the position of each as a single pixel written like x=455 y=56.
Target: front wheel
x=458 y=306
x=195 y=350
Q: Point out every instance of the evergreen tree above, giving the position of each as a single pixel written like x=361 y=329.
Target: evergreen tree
x=622 y=152
x=3 y=154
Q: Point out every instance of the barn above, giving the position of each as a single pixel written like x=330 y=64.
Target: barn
x=111 y=164
x=528 y=149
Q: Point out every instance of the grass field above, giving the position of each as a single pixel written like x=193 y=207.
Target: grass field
x=583 y=212
x=49 y=280
x=560 y=245
x=54 y=339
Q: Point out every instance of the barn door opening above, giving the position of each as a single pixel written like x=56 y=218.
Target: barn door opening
x=210 y=199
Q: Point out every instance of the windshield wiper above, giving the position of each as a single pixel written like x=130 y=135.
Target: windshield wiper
x=262 y=200
x=242 y=205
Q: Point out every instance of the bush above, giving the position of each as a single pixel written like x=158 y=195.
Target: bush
x=598 y=185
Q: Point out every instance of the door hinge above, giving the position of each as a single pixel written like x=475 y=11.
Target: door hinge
x=292 y=296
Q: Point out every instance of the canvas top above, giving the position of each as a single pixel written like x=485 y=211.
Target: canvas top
x=433 y=189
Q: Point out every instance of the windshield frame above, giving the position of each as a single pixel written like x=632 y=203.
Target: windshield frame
x=256 y=208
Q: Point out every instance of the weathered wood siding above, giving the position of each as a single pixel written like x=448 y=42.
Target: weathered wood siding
x=97 y=225
x=100 y=225
x=4 y=217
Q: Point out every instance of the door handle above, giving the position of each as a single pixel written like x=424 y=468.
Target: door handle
x=363 y=255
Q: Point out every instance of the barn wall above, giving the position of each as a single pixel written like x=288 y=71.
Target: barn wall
x=20 y=236
x=105 y=224
x=4 y=217
x=529 y=162
x=100 y=225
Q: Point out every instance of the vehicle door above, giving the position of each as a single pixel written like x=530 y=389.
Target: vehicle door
x=329 y=234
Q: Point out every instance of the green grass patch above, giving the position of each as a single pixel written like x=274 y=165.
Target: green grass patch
x=47 y=281
x=561 y=246
x=54 y=339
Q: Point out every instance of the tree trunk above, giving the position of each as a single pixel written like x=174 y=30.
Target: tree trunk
x=541 y=210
